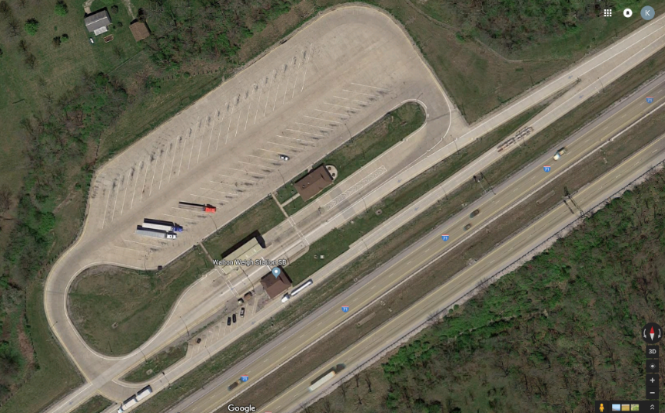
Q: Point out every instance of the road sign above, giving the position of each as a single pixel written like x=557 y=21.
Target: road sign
x=649 y=99
x=276 y=271
x=547 y=168
x=445 y=237
x=345 y=308
x=244 y=378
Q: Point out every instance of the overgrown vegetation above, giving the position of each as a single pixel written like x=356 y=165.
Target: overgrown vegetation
x=536 y=335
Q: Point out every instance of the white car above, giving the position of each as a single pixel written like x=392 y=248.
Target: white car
x=284 y=157
x=286 y=297
x=558 y=153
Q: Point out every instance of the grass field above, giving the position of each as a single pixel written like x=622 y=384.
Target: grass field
x=536 y=328
x=262 y=217
x=95 y=405
x=117 y=309
x=49 y=181
x=156 y=364
x=361 y=149
x=404 y=236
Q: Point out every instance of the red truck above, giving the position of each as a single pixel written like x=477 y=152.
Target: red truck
x=197 y=207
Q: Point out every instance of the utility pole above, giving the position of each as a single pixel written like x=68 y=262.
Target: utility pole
x=482 y=175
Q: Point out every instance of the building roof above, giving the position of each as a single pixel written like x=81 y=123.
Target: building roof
x=97 y=21
x=139 y=31
x=313 y=183
x=274 y=286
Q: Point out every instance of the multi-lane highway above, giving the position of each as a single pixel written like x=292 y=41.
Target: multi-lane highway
x=204 y=297
x=509 y=195
x=500 y=261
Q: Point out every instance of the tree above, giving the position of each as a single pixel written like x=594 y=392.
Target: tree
x=114 y=9
x=4 y=8
x=56 y=41
x=31 y=26
x=64 y=38
x=31 y=61
x=61 y=8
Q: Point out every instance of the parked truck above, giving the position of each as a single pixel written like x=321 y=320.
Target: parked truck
x=155 y=233
x=197 y=207
x=127 y=404
x=161 y=225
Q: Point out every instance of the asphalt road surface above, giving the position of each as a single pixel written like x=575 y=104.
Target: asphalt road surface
x=461 y=285
x=508 y=196
x=406 y=78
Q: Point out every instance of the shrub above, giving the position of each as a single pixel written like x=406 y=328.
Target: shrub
x=114 y=9
x=56 y=41
x=31 y=26
x=64 y=37
x=61 y=8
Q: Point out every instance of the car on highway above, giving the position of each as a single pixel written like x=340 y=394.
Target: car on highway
x=242 y=312
x=467 y=226
x=233 y=385
x=559 y=153
x=234 y=318
x=228 y=321
x=474 y=213
x=284 y=157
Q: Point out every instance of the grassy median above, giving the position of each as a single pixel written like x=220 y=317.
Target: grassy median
x=95 y=405
x=156 y=364
x=404 y=236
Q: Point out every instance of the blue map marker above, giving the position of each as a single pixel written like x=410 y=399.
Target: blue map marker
x=345 y=308
x=276 y=271
x=649 y=99
x=244 y=378
x=445 y=237
x=547 y=168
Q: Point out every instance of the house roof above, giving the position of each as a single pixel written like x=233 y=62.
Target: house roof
x=97 y=20
x=312 y=183
x=274 y=286
x=139 y=31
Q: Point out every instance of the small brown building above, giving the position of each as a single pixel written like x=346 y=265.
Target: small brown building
x=313 y=183
x=139 y=31
x=274 y=286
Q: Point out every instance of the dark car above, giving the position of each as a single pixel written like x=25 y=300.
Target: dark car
x=198 y=340
x=233 y=385
x=474 y=213
x=228 y=321
x=242 y=312
x=234 y=318
x=467 y=226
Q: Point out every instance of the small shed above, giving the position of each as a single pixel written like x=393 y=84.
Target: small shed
x=139 y=30
x=98 y=22
x=313 y=183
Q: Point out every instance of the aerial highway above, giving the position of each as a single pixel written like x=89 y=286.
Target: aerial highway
x=133 y=178
x=509 y=195
x=499 y=262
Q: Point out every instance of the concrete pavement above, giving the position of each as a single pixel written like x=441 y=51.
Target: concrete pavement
x=510 y=194
x=610 y=63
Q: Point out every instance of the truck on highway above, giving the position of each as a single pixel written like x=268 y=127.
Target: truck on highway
x=321 y=381
x=155 y=233
x=559 y=153
x=161 y=225
x=197 y=207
